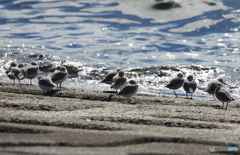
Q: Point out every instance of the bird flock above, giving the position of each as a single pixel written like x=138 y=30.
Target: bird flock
x=20 y=72
x=117 y=80
x=215 y=88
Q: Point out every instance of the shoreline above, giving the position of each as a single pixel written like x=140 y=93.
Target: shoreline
x=103 y=123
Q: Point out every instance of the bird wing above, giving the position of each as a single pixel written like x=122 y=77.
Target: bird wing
x=47 y=83
x=16 y=72
x=127 y=89
x=193 y=86
x=119 y=81
x=24 y=72
x=210 y=87
x=175 y=83
x=109 y=76
x=186 y=86
x=32 y=70
x=225 y=93
x=57 y=75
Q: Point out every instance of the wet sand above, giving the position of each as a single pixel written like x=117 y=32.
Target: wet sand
x=77 y=122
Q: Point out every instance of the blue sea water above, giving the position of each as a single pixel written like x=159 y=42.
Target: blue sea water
x=151 y=45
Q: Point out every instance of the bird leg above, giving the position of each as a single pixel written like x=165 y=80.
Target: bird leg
x=175 y=93
x=186 y=95
x=60 y=86
x=19 y=83
x=222 y=105
x=227 y=105
x=191 y=96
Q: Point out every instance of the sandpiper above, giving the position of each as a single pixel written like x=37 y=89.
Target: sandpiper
x=211 y=86
x=45 y=83
x=59 y=76
x=119 y=80
x=11 y=76
x=176 y=82
x=129 y=89
x=19 y=72
x=108 y=79
x=32 y=71
x=222 y=94
x=189 y=85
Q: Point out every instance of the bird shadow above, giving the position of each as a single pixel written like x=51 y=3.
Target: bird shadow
x=109 y=92
x=189 y=98
x=51 y=92
x=131 y=101
x=110 y=97
x=217 y=107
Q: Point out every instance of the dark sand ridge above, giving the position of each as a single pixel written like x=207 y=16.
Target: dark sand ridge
x=77 y=122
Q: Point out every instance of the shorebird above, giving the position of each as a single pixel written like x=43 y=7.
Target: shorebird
x=211 y=86
x=32 y=71
x=19 y=72
x=45 y=83
x=222 y=94
x=59 y=76
x=108 y=79
x=129 y=89
x=11 y=76
x=176 y=82
x=119 y=80
x=189 y=85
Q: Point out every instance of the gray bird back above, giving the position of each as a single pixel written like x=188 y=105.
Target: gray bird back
x=175 y=83
x=108 y=78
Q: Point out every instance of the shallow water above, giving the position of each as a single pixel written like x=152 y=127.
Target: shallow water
x=151 y=45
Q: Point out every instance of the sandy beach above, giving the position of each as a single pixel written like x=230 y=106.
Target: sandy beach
x=77 y=122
